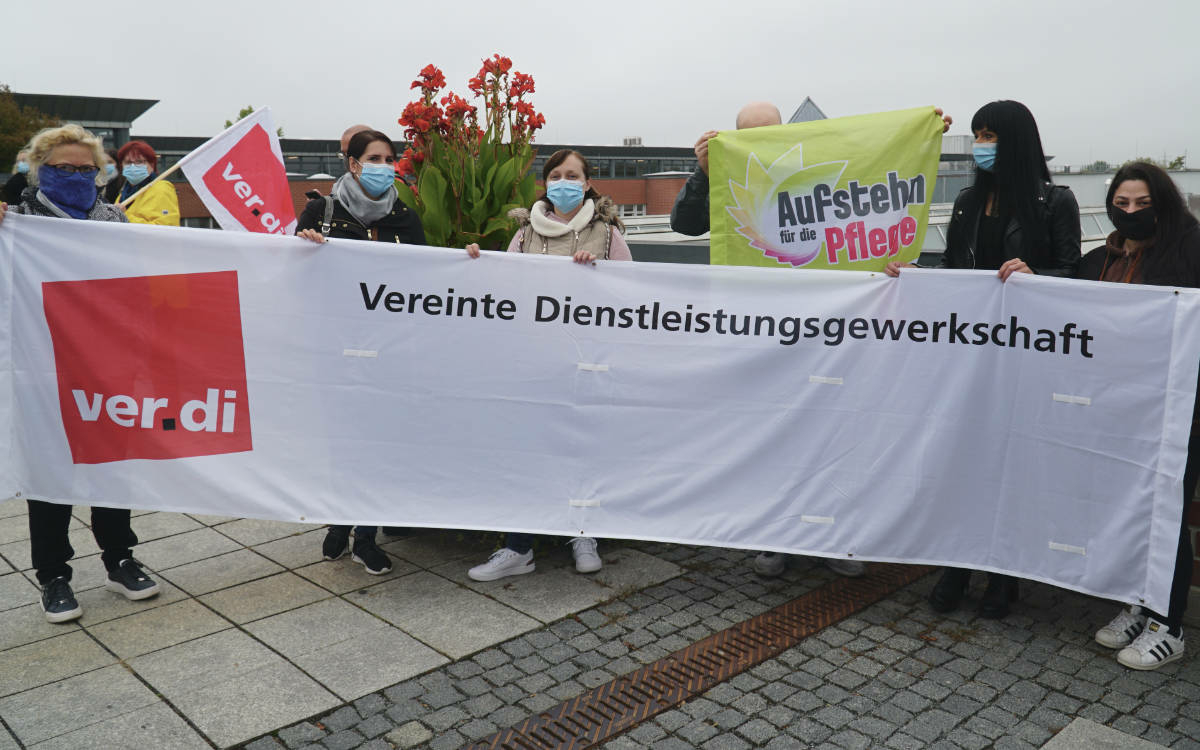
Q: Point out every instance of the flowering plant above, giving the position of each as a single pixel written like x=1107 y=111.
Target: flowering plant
x=462 y=176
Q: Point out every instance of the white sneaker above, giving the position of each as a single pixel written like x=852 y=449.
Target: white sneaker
x=503 y=563
x=1126 y=626
x=769 y=564
x=587 y=560
x=1153 y=648
x=847 y=568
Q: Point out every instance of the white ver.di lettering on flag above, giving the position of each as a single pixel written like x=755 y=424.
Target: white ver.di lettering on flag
x=1036 y=427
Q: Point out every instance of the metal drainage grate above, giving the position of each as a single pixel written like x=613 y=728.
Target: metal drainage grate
x=627 y=701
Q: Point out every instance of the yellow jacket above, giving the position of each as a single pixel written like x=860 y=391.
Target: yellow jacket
x=158 y=205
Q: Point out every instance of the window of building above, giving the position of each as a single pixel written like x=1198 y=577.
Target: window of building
x=632 y=209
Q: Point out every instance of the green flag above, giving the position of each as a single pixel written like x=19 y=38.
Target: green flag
x=850 y=193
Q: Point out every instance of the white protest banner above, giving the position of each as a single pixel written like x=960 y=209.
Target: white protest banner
x=240 y=176
x=1036 y=427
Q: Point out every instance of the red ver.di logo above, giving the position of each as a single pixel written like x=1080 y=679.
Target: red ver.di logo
x=149 y=366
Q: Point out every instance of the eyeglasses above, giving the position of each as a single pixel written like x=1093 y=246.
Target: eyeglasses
x=85 y=169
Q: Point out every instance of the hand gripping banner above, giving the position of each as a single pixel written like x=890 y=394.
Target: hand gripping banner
x=850 y=193
x=944 y=417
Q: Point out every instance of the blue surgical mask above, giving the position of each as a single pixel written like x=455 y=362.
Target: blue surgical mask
x=985 y=155
x=135 y=173
x=23 y=167
x=74 y=193
x=566 y=195
x=110 y=169
x=377 y=178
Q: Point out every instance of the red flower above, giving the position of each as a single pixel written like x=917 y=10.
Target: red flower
x=522 y=84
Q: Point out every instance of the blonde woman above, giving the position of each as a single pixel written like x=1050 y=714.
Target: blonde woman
x=65 y=168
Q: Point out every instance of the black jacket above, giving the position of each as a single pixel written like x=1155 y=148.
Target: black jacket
x=401 y=226
x=1056 y=253
x=689 y=215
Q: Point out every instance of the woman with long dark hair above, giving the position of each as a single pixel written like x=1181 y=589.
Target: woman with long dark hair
x=363 y=205
x=1156 y=241
x=570 y=218
x=1013 y=219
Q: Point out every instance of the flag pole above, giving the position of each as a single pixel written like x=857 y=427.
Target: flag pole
x=144 y=188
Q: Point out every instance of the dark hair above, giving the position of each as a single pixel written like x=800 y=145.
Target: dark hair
x=1171 y=216
x=363 y=138
x=137 y=148
x=557 y=158
x=1020 y=169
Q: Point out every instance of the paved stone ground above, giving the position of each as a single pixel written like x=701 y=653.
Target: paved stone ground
x=896 y=675
x=255 y=642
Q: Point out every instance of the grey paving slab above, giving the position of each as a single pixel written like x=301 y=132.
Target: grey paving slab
x=220 y=572
x=254 y=702
x=451 y=618
x=13 y=506
x=16 y=591
x=346 y=649
x=1083 y=734
x=13 y=528
x=353 y=668
x=181 y=549
x=341 y=576
x=294 y=551
x=7 y=741
x=264 y=597
x=76 y=702
x=208 y=660
x=155 y=726
x=100 y=605
x=431 y=548
x=42 y=662
x=156 y=525
x=251 y=531
x=158 y=628
x=626 y=569
x=6 y=567
x=28 y=624
x=16 y=554
x=553 y=591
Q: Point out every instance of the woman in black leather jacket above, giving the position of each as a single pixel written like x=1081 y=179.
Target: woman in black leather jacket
x=1013 y=219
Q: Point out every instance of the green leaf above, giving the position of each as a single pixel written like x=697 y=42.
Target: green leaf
x=406 y=194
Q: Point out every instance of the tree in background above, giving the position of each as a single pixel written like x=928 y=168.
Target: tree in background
x=243 y=112
x=17 y=125
x=461 y=178
x=1097 y=166
x=1176 y=163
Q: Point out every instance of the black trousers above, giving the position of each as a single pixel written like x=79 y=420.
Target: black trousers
x=1182 y=581
x=50 y=548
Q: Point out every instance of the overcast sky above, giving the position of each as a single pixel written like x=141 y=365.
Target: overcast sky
x=1106 y=80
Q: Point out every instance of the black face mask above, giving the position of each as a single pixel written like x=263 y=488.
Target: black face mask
x=1135 y=225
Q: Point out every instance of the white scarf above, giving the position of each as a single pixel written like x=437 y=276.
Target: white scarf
x=547 y=227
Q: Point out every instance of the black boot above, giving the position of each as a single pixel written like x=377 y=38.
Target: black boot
x=1001 y=591
x=948 y=593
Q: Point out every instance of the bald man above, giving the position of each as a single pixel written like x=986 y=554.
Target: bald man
x=350 y=133
x=689 y=215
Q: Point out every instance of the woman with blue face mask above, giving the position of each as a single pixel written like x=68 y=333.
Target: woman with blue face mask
x=1013 y=219
x=19 y=179
x=156 y=202
x=65 y=173
x=571 y=219
x=363 y=204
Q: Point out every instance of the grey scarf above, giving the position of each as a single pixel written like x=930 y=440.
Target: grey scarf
x=361 y=206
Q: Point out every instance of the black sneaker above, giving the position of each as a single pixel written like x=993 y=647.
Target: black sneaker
x=375 y=560
x=130 y=581
x=58 y=601
x=336 y=542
